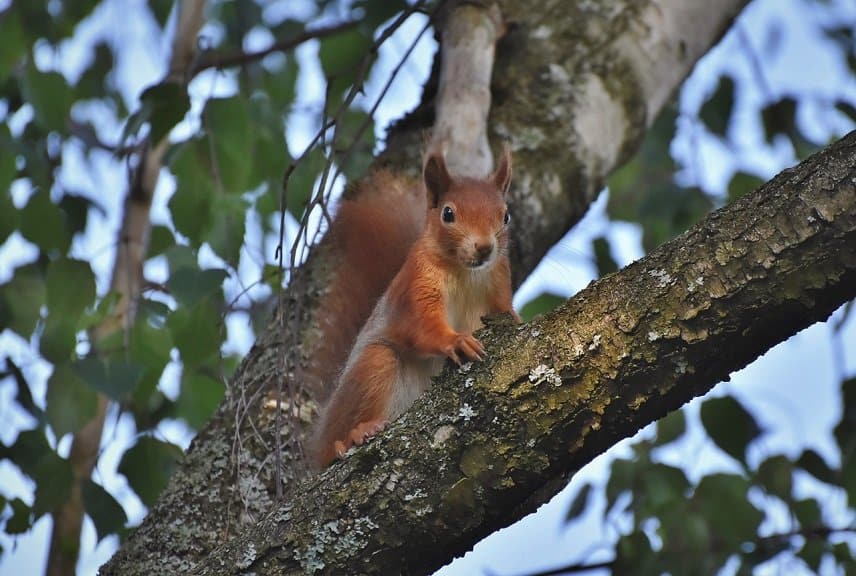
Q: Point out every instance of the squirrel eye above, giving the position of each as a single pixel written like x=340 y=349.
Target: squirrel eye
x=507 y=218
x=448 y=214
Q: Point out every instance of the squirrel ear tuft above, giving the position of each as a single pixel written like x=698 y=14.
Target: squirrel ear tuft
x=436 y=177
x=502 y=175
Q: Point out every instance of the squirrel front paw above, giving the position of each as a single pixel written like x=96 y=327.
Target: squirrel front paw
x=467 y=345
x=358 y=435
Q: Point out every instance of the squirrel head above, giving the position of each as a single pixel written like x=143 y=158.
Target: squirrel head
x=467 y=217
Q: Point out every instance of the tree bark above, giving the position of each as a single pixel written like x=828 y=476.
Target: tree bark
x=576 y=85
x=491 y=442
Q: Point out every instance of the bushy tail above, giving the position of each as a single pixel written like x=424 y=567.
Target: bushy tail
x=372 y=232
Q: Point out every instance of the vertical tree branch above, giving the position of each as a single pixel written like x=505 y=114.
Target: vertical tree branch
x=463 y=100
x=126 y=282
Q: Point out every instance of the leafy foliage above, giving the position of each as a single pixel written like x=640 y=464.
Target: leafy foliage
x=228 y=155
x=681 y=526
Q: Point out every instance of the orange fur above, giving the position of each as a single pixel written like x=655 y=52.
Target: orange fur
x=455 y=273
x=371 y=234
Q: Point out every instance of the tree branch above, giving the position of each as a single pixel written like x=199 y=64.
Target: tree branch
x=241 y=58
x=554 y=117
x=489 y=443
x=463 y=99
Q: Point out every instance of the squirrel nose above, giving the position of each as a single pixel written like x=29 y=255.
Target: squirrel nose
x=484 y=251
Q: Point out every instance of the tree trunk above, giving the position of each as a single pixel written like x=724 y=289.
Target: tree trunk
x=575 y=86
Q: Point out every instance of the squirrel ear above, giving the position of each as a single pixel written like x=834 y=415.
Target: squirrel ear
x=437 y=178
x=502 y=175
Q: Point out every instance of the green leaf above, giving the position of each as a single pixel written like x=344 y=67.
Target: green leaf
x=741 y=184
x=603 y=256
x=50 y=96
x=9 y=220
x=23 y=396
x=670 y=428
x=814 y=464
x=200 y=395
x=58 y=339
x=845 y=431
x=847 y=109
x=164 y=106
x=192 y=201
x=376 y=12
x=14 y=46
x=779 y=118
x=301 y=183
x=579 y=504
x=70 y=287
x=844 y=556
x=226 y=236
x=227 y=121
x=807 y=512
x=540 y=305
x=270 y=155
x=114 y=377
x=634 y=555
x=21 y=520
x=845 y=435
x=196 y=333
x=161 y=239
x=178 y=257
x=156 y=312
x=812 y=553
x=93 y=81
x=43 y=223
x=54 y=478
x=190 y=286
x=22 y=299
x=723 y=499
x=621 y=476
x=729 y=425
x=775 y=474
x=354 y=143
x=76 y=209
x=70 y=402
x=662 y=486
x=28 y=450
x=716 y=111
x=161 y=10
x=150 y=346
x=342 y=58
x=147 y=465
x=106 y=513
x=280 y=83
x=104 y=308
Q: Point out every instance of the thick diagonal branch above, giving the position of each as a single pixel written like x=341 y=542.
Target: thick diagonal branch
x=488 y=444
x=574 y=87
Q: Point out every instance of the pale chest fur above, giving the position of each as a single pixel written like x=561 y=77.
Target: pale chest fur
x=467 y=297
x=466 y=301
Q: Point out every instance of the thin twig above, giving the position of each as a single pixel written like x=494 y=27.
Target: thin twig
x=241 y=58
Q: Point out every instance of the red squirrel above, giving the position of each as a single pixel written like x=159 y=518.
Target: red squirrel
x=456 y=272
